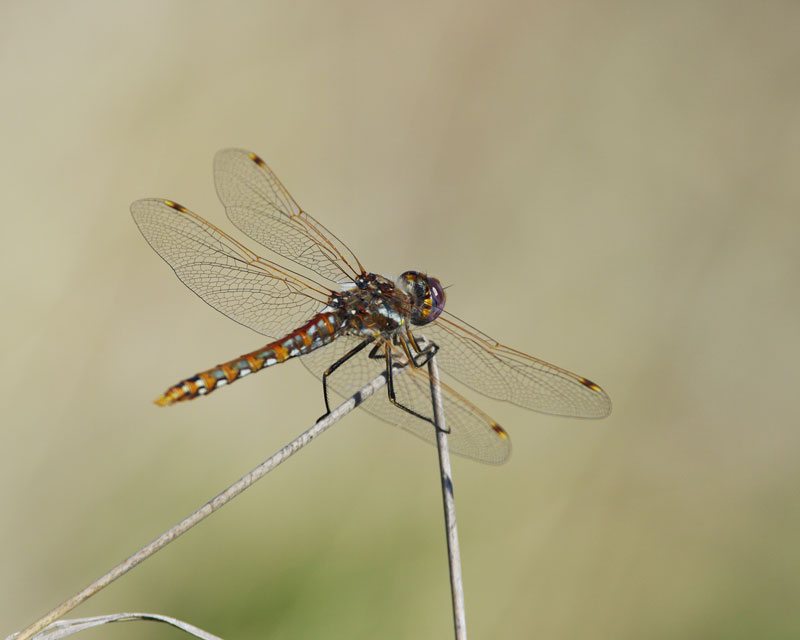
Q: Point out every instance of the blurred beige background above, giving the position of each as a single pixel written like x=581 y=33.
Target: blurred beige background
x=611 y=186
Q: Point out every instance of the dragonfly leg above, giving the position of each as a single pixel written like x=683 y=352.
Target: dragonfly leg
x=359 y=347
x=376 y=353
x=390 y=386
x=413 y=340
x=407 y=351
x=422 y=356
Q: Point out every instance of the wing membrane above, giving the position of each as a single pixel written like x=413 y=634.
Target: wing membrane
x=503 y=373
x=258 y=204
x=473 y=434
x=224 y=273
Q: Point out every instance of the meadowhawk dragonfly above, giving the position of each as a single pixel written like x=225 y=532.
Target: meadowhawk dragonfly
x=346 y=324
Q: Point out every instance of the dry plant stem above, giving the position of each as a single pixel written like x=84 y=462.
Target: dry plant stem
x=207 y=509
x=453 y=551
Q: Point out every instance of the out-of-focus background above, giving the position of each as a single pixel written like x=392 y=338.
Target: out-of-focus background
x=610 y=186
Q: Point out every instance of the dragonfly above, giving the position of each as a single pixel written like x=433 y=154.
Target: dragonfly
x=316 y=302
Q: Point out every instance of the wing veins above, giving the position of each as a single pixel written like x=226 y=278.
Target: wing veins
x=490 y=351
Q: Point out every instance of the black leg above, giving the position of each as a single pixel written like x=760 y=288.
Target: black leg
x=390 y=387
x=376 y=353
x=422 y=356
x=334 y=367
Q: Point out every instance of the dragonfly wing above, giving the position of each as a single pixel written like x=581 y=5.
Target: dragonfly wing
x=259 y=205
x=224 y=273
x=501 y=372
x=473 y=434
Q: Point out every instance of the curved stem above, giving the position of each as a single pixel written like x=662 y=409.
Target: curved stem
x=217 y=502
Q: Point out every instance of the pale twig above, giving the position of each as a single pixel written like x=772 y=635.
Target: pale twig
x=206 y=510
x=453 y=551
x=64 y=628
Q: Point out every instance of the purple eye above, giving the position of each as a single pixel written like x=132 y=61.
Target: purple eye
x=427 y=296
x=437 y=299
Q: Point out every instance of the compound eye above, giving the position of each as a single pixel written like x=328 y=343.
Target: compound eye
x=437 y=299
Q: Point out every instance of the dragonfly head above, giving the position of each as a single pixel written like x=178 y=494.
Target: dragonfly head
x=426 y=293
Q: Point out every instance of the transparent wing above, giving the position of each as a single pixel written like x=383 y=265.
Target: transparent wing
x=473 y=434
x=501 y=372
x=259 y=205
x=224 y=273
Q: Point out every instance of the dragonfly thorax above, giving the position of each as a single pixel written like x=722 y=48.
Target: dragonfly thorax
x=375 y=307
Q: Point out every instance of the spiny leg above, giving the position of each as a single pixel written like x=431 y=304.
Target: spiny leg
x=424 y=355
x=360 y=346
x=430 y=350
x=413 y=339
x=407 y=351
x=390 y=385
x=376 y=353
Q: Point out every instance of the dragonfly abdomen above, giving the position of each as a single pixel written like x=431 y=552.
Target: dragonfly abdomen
x=322 y=329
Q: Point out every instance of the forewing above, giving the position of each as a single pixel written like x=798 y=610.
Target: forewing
x=259 y=205
x=501 y=372
x=473 y=434
x=224 y=273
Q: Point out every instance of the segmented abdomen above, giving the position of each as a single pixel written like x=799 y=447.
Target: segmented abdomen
x=317 y=332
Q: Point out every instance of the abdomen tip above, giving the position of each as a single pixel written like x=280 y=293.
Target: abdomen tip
x=163 y=401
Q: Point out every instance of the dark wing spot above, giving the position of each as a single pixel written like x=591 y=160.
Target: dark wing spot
x=500 y=431
x=257 y=160
x=591 y=385
x=176 y=206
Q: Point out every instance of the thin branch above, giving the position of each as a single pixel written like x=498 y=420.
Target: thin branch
x=64 y=628
x=206 y=510
x=453 y=551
